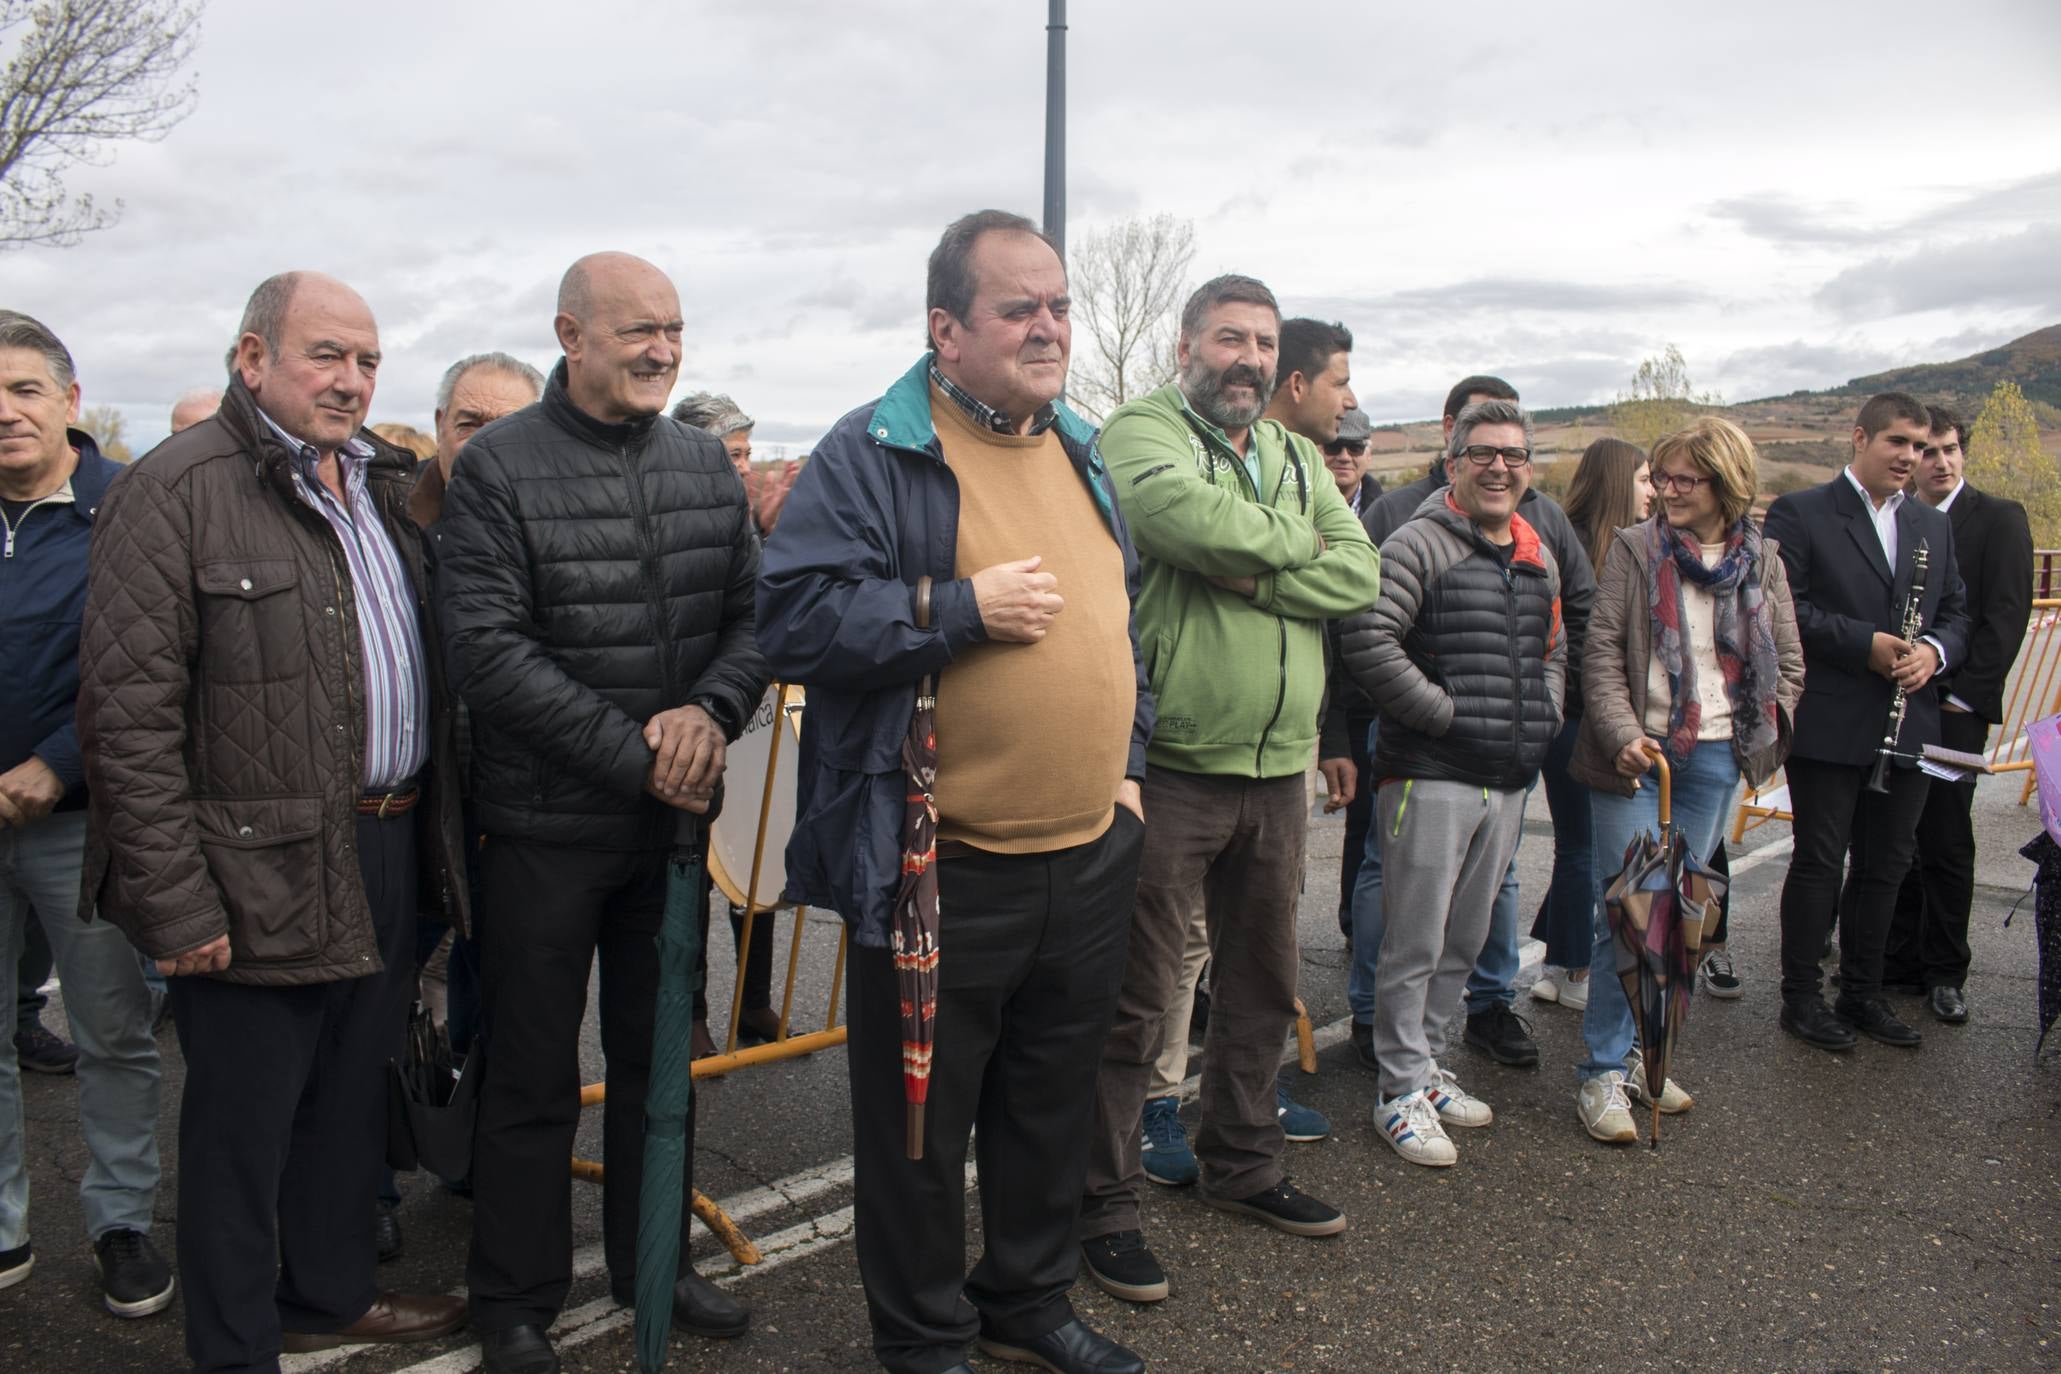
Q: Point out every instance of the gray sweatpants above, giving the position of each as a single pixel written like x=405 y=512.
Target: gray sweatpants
x=1445 y=846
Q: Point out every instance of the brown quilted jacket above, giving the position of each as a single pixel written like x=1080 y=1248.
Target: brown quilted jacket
x=221 y=713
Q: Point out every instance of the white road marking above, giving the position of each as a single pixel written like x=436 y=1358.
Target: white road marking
x=1768 y=853
x=593 y=1320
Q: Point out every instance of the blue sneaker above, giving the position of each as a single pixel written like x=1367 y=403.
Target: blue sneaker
x=1299 y=1123
x=1165 y=1149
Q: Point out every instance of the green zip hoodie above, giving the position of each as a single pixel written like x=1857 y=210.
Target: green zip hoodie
x=1238 y=680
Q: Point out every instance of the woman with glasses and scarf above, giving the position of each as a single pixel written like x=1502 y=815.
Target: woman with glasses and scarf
x=1692 y=653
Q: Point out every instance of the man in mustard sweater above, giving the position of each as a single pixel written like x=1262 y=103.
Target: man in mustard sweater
x=963 y=525
x=1248 y=549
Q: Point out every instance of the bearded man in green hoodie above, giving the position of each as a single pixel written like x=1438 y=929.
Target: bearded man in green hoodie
x=1247 y=549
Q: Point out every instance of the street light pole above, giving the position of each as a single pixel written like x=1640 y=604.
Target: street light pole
x=1055 y=125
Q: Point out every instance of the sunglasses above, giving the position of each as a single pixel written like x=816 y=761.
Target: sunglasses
x=1356 y=447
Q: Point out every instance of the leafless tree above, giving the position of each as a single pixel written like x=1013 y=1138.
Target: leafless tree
x=82 y=76
x=1127 y=282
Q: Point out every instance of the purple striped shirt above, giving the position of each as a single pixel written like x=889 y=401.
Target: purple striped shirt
x=389 y=634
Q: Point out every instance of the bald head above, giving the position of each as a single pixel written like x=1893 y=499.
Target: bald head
x=596 y=277
x=195 y=406
x=309 y=353
x=619 y=324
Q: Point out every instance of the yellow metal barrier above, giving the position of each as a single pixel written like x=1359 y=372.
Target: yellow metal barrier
x=2034 y=693
x=784 y=704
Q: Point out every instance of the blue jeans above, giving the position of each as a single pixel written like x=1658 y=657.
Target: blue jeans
x=1494 y=971
x=1703 y=793
x=108 y=1006
x=1565 y=919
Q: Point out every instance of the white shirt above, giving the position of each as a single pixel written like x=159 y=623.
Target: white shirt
x=1943 y=507
x=1884 y=518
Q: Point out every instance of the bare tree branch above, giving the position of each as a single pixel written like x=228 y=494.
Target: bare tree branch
x=81 y=77
x=1127 y=282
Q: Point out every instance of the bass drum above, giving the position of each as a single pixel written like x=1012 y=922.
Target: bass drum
x=745 y=792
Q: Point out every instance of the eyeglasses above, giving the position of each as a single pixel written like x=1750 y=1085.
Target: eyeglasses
x=1680 y=483
x=1356 y=447
x=1481 y=455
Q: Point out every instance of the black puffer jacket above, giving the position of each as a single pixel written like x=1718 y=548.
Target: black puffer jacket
x=1465 y=657
x=1577 y=577
x=591 y=576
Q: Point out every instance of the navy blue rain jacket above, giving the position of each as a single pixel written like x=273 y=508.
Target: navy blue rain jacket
x=875 y=509
x=42 y=597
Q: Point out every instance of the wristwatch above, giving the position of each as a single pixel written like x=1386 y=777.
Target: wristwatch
x=717 y=712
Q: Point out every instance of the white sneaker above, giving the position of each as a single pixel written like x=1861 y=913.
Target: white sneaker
x=1672 y=1099
x=1574 y=992
x=1452 y=1102
x=1410 y=1124
x=1547 y=989
x=1605 y=1111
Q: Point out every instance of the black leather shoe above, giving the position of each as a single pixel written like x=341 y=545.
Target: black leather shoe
x=518 y=1350
x=1874 y=1019
x=1813 y=1023
x=706 y=1310
x=1072 y=1349
x=386 y=1233
x=1503 y=1036
x=1948 y=1004
x=1363 y=1045
x=699 y=1307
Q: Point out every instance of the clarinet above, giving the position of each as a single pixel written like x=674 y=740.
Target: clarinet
x=1899 y=701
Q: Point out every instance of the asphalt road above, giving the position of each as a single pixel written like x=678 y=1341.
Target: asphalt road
x=1886 y=1209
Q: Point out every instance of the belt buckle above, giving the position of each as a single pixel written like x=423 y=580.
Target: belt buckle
x=384 y=803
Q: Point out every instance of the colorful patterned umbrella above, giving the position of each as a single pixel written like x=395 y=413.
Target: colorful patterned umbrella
x=916 y=910
x=1659 y=906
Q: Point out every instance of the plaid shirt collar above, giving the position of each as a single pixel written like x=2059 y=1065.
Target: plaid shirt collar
x=986 y=416
x=350 y=459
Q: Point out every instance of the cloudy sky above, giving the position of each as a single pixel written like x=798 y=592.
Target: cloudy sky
x=1794 y=193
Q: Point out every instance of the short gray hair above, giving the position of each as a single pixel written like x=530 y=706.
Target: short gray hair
x=1222 y=291
x=499 y=362
x=1472 y=417
x=265 y=313
x=712 y=411
x=26 y=331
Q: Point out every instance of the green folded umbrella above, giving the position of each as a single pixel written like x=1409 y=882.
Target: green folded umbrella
x=669 y=1096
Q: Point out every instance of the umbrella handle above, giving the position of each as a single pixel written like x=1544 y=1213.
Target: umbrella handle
x=1667 y=784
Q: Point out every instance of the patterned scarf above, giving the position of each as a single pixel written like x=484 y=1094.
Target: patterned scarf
x=1745 y=634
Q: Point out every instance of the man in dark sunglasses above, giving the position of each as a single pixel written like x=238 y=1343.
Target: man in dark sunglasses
x=1350 y=456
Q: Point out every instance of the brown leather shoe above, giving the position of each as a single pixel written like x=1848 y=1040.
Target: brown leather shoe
x=392 y=1317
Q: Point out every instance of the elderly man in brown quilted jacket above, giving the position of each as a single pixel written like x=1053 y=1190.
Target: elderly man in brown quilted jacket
x=268 y=747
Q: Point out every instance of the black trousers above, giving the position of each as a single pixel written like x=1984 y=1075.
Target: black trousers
x=282 y=1133
x=1031 y=951
x=1834 y=812
x=1359 y=816
x=1928 y=935
x=552 y=908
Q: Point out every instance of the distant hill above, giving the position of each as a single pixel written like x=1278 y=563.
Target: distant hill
x=2034 y=362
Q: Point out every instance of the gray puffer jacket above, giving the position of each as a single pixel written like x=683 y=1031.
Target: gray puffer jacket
x=1463 y=653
